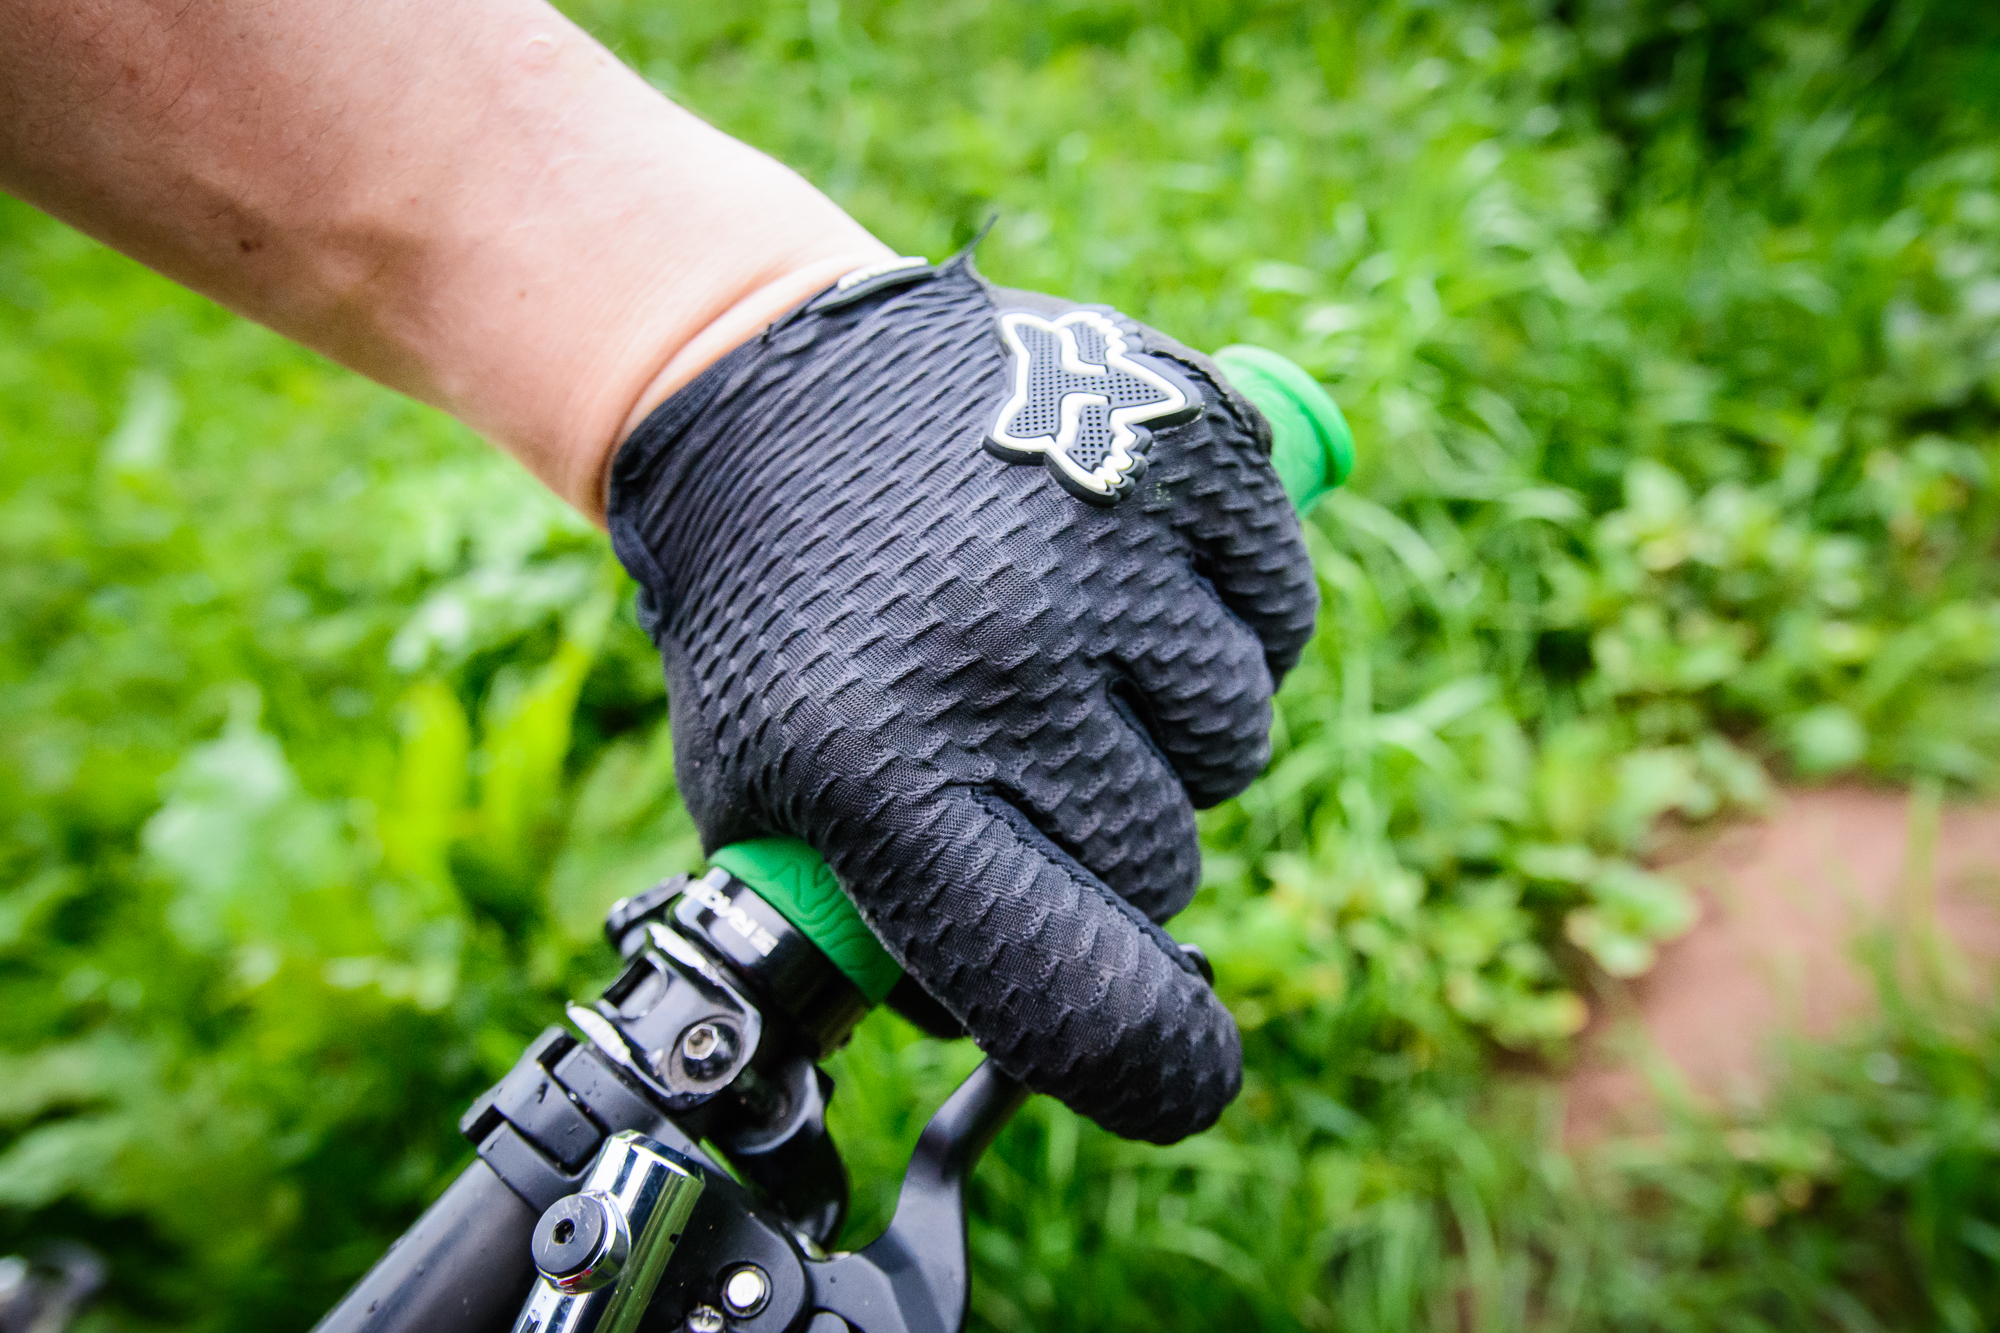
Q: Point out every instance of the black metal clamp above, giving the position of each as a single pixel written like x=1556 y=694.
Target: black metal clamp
x=600 y=1148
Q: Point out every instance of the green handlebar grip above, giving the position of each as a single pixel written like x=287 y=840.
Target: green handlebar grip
x=1313 y=451
x=791 y=877
x=1311 y=447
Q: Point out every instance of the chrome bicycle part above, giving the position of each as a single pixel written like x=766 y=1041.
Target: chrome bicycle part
x=745 y=1291
x=601 y=1252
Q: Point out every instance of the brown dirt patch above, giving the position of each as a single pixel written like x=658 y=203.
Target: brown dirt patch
x=1784 y=901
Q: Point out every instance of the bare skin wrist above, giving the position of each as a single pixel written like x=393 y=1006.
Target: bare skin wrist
x=468 y=200
x=741 y=322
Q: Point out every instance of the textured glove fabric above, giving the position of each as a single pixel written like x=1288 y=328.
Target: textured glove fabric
x=991 y=704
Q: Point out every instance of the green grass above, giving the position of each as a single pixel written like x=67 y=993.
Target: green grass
x=1671 y=339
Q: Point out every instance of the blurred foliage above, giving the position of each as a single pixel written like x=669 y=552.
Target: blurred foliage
x=1671 y=336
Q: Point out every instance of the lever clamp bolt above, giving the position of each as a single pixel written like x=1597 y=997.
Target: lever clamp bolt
x=700 y=1041
x=746 y=1290
x=707 y=1050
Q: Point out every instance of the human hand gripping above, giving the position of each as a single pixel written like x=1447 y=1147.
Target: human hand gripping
x=977 y=592
x=981 y=593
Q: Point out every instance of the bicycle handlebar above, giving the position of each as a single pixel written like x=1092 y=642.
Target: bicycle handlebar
x=459 y=1266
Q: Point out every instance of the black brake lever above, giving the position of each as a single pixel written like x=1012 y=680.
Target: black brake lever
x=915 y=1277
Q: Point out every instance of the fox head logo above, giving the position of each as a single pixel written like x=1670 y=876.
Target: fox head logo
x=1082 y=403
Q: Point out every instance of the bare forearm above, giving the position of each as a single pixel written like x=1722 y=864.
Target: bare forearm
x=469 y=200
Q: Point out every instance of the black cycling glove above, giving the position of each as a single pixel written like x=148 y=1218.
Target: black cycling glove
x=980 y=593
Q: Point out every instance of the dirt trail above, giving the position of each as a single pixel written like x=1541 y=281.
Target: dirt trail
x=1783 y=901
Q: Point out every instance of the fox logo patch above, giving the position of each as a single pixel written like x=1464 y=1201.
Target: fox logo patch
x=1082 y=403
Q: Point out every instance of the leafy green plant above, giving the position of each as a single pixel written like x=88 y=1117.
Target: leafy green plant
x=1669 y=334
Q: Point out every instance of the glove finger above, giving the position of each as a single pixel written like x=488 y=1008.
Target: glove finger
x=1229 y=507
x=1107 y=797
x=1200 y=685
x=1065 y=985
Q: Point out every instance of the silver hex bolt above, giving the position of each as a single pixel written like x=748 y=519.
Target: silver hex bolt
x=700 y=1042
x=708 y=1050
x=704 y=1319
x=745 y=1291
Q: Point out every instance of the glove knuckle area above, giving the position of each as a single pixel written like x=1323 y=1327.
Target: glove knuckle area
x=1198 y=683
x=1066 y=987
x=1242 y=535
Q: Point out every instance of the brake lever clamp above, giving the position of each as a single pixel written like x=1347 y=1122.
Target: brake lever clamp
x=712 y=1032
x=601 y=1252
x=674 y=1023
x=654 y=1230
